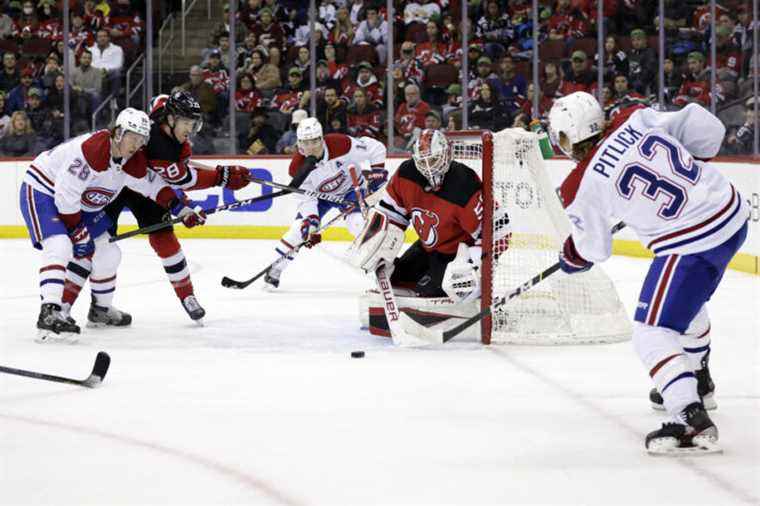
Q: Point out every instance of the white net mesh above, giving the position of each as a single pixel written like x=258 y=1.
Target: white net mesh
x=582 y=308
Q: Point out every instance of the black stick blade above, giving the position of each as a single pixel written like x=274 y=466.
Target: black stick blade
x=231 y=283
x=99 y=370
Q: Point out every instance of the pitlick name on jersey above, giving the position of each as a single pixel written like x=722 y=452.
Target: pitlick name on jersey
x=615 y=149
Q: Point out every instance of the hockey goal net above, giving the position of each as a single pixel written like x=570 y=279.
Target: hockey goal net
x=562 y=309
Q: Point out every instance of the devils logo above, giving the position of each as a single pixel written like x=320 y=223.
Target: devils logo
x=425 y=223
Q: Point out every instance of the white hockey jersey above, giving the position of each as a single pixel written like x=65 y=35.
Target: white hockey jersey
x=82 y=176
x=331 y=173
x=650 y=171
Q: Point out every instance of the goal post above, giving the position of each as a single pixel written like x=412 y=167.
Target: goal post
x=563 y=309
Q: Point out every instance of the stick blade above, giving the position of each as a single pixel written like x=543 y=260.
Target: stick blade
x=99 y=370
x=231 y=283
x=414 y=334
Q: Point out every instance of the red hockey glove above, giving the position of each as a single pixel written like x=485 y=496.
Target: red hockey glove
x=570 y=261
x=309 y=231
x=81 y=242
x=191 y=217
x=233 y=177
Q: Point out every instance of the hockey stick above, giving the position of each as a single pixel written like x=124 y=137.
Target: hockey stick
x=447 y=335
x=357 y=190
x=165 y=224
x=99 y=370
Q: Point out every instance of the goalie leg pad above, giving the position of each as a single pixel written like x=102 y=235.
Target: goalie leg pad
x=380 y=241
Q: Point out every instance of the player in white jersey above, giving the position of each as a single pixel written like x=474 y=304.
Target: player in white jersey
x=62 y=198
x=650 y=170
x=322 y=164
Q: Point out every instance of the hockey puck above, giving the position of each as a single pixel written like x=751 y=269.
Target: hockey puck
x=357 y=354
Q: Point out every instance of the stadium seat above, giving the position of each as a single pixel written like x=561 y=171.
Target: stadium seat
x=552 y=50
x=36 y=47
x=441 y=75
x=360 y=53
x=8 y=45
x=416 y=32
x=587 y=45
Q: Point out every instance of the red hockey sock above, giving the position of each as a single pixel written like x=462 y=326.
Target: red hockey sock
x=166 y=245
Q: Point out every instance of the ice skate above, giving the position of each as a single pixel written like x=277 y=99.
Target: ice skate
x=698 y=435
x=194 y=309
x=99 y=317
x=53 y=326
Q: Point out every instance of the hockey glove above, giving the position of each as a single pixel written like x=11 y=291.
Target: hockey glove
x=233 y=177
x=570 y=261
x=82 y=243
x=461 y=281
x=191 y=216
x=309 y=231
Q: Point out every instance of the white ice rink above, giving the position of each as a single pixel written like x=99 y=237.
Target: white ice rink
x=264 y=405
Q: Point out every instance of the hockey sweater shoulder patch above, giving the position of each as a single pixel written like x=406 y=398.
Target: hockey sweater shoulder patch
x=460 y=184
x=337 y=145
x=137 y=165
x=97 y=150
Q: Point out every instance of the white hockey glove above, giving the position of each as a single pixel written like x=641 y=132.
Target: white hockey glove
x=379 y=241
x=461 y=281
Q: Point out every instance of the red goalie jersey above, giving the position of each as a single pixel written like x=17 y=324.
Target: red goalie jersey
x=442 y=219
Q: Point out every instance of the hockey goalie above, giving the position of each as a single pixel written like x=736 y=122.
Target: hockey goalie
x=438 y=276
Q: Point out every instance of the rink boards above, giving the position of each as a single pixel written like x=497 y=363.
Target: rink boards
x=269 y=219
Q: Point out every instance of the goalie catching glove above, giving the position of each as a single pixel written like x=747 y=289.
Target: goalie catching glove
x=379 y=242
x=461 y=281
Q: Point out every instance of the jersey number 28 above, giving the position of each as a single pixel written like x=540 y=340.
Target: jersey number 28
x=656 y=186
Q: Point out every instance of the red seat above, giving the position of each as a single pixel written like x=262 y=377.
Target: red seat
x=34 y=47
x=441 y=75
x=8 y=45
x=360 y=53
x=552 y=50
x=416 y=32
x=587 y=45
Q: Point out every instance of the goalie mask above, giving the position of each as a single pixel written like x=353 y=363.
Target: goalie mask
x=573 y=119
x=432 y=157
x=309 y=138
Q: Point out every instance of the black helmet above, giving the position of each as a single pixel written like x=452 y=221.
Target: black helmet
x=182 y=104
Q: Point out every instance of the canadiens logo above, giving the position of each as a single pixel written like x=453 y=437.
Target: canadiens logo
x=426 y=225
x=97 y=197
x=332 y=184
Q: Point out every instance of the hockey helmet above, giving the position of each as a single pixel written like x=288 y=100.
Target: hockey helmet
x=432 y=156
x=180 y=104
x=573 y=119
x=156 y=107
x=132 y=120
x=308 y=135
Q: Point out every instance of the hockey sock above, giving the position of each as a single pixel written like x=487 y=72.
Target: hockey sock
x=77 y=272
x=696 y=340
x=661 y=353
x=166 y=245
x=56 y=250
x=105 y=263
x=283 y=250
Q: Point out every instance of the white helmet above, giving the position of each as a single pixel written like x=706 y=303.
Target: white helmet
x=573 y=119
x=309 y=129
x=133 y=120
x=432 y=156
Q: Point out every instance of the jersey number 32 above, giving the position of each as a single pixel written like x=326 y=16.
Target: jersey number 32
x=655 y=186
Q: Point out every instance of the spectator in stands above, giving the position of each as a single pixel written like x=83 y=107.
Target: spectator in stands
x=510 y=86
x=489 y=112
x=247 y=97
x=643 y=62
x=92 y=16
x=579 y=77
x=676 y=14
x=262 y=137
x=124 y=24
x=215 y=74
x=364 y=119
x=433 y=50
x=673 y=79
x=80 y=37
x=18 y=96
x=5 y=119
x=6 y=26
x=245 y=52
x=327 y=13
x=27 y=23
x=695 y=86
x=338 y=71
x=80 y=109
x=249 y=14
x=51 y=70
x=411 y=69
x=88 y=80
x=728 y=58
x=455 y=121
x=740 y=140
x=331 y=112
x=567 y=22
x=615 y=59
x=421 y=11
x=484 y=74
x=267 y=30
x=410 y=115
x=265 y=75
x=223 y=45
x=39 y=117
x=324 y=80
x=453 y=101
x=522 y=120
x=432 y=121
x=366 y=80
x=108 y=57
x=10 y=76
x=551 y=81
x=495 y=29
x=301 y=38
x=202 y=92
x=20 y=139
x=374 y=32
x=275 y=57
x=287 y=143
x=303 y=60
x=343 y=33
x=294 y=95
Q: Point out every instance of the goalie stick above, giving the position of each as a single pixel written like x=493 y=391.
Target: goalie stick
x=443 y=336
x=99 y=370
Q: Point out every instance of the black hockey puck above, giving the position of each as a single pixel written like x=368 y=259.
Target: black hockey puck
x=357 y=354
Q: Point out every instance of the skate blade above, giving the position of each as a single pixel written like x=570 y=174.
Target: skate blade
x=103 y=325
x=708 y=402
x=199 y=322
x=50 y=337
x=671 y=447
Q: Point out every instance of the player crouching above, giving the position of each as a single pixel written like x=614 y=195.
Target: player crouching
x=442 y=199
x=324 y=164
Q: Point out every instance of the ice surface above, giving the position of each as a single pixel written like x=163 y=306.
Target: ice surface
x=264 y=405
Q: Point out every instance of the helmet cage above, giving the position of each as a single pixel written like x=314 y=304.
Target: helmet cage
x=433 y=162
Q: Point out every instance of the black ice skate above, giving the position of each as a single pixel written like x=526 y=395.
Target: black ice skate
x=194 y=310
x=705 y=389
x=100 y=317
x=698 y=435
x=272 y=279
x=52 y=326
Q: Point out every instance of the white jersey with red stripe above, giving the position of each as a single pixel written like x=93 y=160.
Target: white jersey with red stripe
x=650 y=171
x=331 y=173
x=82 y=175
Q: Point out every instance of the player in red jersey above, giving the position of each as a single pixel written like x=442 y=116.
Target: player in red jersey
x=442 y=199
